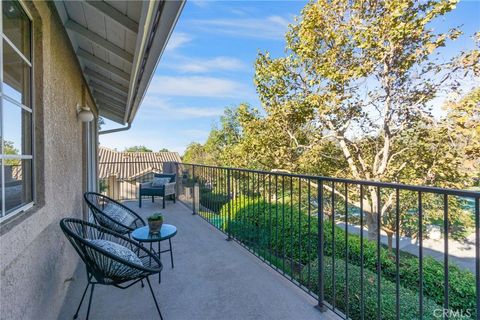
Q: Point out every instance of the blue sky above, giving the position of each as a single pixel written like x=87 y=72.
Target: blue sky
x=208 y=65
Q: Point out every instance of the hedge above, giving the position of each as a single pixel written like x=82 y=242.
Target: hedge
x=260 y=224
x=461 y=282
x=212 y=200
x=408 y=298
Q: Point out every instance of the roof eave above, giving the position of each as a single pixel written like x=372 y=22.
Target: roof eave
x=156 y=22
x=160 y=29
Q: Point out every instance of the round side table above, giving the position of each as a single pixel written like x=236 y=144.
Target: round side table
x=167 y=232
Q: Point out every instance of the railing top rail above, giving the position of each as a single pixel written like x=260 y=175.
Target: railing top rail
x=447 y=191
x=130 y=162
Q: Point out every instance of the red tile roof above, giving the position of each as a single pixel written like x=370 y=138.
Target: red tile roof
x=129 y=165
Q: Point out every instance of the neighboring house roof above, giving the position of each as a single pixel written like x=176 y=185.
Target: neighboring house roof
x=118 y=45
x=131 y=165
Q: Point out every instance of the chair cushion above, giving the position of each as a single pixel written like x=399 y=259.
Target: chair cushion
x=117 y=214
x=118 y=250
x=158 y=182
x=171 y=176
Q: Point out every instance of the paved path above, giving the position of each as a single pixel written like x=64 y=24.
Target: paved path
x=461 y=254
x=212 y=279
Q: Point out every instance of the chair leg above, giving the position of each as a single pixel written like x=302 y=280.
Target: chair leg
x=90 y=300
x=81 y=301
x=154 y=299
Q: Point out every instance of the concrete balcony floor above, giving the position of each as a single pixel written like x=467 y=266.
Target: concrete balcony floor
x=212 y=279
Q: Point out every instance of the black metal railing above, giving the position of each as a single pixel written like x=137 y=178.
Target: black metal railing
x=364 y=249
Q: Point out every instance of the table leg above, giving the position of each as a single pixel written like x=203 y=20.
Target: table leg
x=171 y=251
x=159 y=257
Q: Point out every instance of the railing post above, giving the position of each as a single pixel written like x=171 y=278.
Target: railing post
x=193 y=189
x=178 y=185
x=320 y=219
x=477 y=252
x=229 y=206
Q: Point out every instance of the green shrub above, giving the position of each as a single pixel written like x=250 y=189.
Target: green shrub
x=265 y=225
x=408 y=298
x=461 y=282
x=212 y=200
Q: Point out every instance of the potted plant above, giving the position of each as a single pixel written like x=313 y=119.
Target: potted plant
x=155 y=222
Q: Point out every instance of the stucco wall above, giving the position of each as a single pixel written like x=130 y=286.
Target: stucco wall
x=37 y=262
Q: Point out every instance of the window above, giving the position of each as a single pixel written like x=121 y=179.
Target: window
x=16 y=129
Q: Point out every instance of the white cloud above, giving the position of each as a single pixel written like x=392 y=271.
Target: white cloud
x=195 y=65
x=200 y=3
x=272 y=27
x=178 y=39
x=147 y=129
x=199 y=112
x=198 y=86
x=280 y=21
x=154 y=107
x=238 y=12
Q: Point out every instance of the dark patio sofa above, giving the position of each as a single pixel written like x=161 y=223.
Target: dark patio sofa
x=167 y=190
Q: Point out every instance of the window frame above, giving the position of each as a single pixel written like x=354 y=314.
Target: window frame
x=26 y=206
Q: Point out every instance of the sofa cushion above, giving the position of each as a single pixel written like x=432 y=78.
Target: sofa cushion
x=171 y=176
x=159 y=182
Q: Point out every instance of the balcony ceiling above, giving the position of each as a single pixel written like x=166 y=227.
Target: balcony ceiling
x=118 y=45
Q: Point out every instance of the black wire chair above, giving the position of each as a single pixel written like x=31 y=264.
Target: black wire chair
x=112 y=214
x=104 y=267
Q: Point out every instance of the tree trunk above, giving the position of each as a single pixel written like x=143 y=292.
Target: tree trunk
x=372 y=226
x=390 y=240
x=371 y=215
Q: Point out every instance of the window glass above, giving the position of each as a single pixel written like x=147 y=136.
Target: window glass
x=16 y=76
x=1 y=187
x=16 y=189
x=18 y=183
x=17 y=127
x=16 y=26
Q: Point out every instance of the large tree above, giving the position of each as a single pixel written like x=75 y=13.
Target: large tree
x=138 y=149
x=364 y=75
x=195 y=153
x=224 y=136
x=463 y=126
